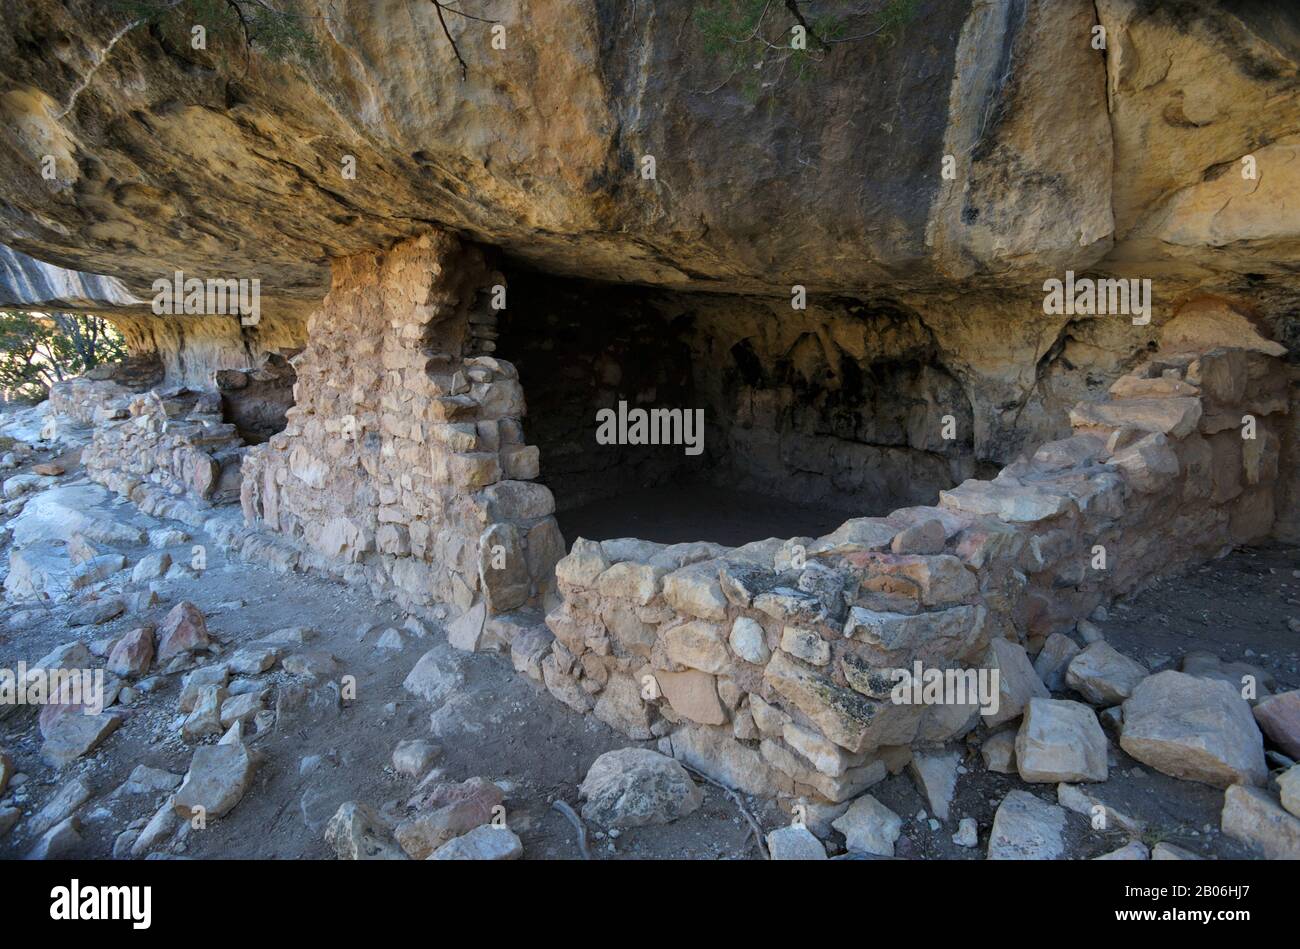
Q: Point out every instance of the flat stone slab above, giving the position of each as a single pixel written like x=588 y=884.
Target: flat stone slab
x=1026 y=828
x=76 y=734
x=218 y=778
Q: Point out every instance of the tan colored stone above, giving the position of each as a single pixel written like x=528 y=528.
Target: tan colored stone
x=693 y=694
x=1193 y=728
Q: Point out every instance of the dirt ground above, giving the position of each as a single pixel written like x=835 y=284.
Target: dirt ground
x=501 y=726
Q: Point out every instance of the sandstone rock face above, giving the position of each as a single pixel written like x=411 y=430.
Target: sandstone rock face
x=614 y=86
x=403 y=464
x=1050 y=143
x=1199 y=729
x=633 y=787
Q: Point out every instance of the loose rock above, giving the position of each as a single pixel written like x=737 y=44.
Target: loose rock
x=632 y=787
x=1060 y=741
x=1104 y=676
x=1025 y=828
x=482 y=843
x=1194 y=728
x=869 y=827
x=794 y=843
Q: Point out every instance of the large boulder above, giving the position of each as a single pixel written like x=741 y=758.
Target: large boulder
x=1193 y=728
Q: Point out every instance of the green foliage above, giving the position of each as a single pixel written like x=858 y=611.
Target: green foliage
x=753 y=38
x=251 y=25
x=39 y=349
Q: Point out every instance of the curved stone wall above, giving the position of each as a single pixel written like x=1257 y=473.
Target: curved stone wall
x=771 y=666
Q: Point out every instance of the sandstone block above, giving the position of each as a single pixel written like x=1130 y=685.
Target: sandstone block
x=1198 y=729
x=1060 y=741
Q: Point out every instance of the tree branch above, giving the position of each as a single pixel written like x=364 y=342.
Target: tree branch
x=793 y=7
x=464 y=66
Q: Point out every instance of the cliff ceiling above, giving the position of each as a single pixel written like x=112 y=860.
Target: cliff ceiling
x=218 y=162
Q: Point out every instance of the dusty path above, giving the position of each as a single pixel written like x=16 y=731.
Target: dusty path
x=497 y=724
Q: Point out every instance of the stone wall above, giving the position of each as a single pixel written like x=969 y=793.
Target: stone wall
x=402 y=464
x=168 y=450
x=768 y=666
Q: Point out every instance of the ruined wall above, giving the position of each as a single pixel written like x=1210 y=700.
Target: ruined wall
x=402 y=464
x=768 y=666
x=257 y=401
x=168 y=450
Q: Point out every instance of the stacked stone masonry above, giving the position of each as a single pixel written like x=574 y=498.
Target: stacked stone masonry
x=768 y=666
x=402 y=465
x=168 y=450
